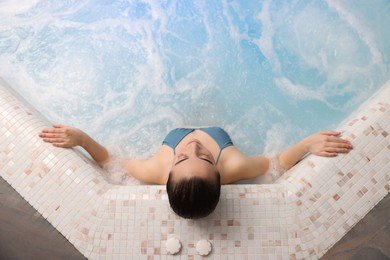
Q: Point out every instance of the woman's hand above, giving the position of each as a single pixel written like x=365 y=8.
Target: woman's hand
x=63 y=136
x=326 y=144
x=67 y=136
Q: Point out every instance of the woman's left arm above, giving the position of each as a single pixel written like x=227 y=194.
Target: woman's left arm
x=327 y=144
x=237 y=166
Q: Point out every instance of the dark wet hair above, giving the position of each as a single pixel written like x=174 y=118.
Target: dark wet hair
x=195 y=197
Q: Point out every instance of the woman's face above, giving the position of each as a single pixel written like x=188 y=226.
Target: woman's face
x=193 y=159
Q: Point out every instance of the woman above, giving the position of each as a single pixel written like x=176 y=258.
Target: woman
x=193 y=163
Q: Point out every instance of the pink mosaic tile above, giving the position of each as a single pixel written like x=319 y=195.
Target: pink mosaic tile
x=301 y=215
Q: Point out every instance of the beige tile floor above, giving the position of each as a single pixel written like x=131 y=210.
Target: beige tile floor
x=25 y=234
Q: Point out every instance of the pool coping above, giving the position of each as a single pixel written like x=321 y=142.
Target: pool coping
x=302 y=215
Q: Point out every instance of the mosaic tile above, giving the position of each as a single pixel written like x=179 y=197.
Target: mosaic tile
x=301 y=215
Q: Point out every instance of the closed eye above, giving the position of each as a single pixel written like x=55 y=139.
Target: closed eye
x=182 y=160
x=204 y=159
x=210 y=162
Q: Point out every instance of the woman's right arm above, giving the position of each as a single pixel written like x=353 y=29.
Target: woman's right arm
x=67 y=137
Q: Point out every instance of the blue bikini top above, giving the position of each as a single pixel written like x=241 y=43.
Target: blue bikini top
x=218 y=134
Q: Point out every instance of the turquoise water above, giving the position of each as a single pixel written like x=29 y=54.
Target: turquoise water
x=126 y=72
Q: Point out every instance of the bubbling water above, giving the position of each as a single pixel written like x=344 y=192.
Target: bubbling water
x=127 y=72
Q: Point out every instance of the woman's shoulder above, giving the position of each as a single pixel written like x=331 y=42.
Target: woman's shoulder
x=154 y=170
x=237 y=166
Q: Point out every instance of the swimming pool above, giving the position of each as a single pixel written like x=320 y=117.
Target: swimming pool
x=127 y=72
x=268 y=83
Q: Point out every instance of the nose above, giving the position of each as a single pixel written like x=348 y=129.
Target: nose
x=194 y=147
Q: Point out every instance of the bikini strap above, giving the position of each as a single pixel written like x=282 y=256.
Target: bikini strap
x=219 y=155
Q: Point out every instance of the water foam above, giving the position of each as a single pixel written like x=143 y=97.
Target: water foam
x=127 y=72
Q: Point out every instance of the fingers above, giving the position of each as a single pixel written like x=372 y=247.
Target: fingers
x=332 y=136
x=336 y=139
x=55 y=135
x=332 y=151
x=53 y=140
x=336 y=145
x=338 y=142
x=62 y=136
x=54 y=129
x=331 y=133
x=63 y=145
x=329 y=144
x=57 y=142
x=327 y=154
x=59 y=126
x=50 y=135
x=337 y=150
x=57 y=130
